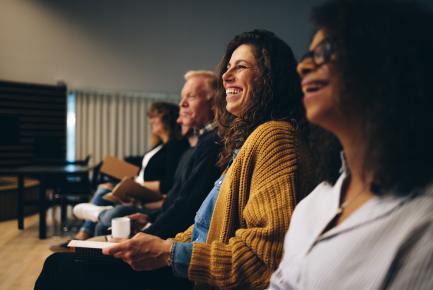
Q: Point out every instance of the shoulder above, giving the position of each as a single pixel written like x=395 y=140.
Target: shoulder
x=273 y=129
x=209 y=141
x=176 y=145
x=272 y=137
x=176 y=142
x=208 y=137
x=312 y=210
x=417 y=209
x=318 y=199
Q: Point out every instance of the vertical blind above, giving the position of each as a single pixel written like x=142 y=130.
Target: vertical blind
x=113 y=123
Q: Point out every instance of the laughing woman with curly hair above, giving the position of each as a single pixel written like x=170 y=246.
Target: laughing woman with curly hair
x=237 y=237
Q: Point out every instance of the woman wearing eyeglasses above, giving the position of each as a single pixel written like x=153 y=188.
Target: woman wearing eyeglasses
x=367 y=79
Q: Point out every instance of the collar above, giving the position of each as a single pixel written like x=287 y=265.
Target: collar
x=207 y=128
x=376 y=208
x=343 y=168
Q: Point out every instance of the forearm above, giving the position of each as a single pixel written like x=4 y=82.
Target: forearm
x=152 y=185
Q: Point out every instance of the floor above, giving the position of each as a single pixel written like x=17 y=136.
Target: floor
x=22 y=254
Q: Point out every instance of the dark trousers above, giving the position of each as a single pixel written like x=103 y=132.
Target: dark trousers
x=62 y=271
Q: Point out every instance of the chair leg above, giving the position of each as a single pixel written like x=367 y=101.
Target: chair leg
x=63 y=213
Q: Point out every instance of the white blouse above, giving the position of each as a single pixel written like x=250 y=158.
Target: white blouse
x=385 y=244
x=147 y=156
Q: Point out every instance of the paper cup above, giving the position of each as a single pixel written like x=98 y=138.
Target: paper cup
x=121 y=227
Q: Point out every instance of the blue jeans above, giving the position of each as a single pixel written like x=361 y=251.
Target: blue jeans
x=97 y=199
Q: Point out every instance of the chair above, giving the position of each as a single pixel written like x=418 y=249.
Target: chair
x=72 y=190
x=83 y=162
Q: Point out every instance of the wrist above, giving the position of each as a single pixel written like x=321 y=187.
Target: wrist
x=170 y=251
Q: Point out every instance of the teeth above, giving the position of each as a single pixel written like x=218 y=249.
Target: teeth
x=314 y=87
x=232 y=91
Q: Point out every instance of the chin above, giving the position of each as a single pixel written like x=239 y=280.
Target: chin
x=232 y=110
x=322 y=119
x=314 y=114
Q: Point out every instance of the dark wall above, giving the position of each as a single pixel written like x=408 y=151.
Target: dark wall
x=32 y=123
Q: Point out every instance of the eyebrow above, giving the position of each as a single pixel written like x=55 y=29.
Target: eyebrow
x=238 y=61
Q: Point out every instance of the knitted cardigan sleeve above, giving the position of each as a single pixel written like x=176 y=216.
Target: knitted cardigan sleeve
x=252 y=213
x=185 y=236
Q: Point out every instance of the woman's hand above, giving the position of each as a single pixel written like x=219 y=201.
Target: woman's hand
x=143 y=252
x=106 y=185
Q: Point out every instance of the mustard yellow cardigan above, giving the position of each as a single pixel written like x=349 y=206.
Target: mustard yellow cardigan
x=252 y=213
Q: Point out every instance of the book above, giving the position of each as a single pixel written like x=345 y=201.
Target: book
x=89 y=244
x=128 y=188
x=90 y=252
x=117 y=168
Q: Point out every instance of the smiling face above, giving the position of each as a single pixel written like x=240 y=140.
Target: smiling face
x=239 y=78
x=320 y=85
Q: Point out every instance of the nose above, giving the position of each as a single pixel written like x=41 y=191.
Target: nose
x=183 y=102
x=305 y=66
x=228 y=76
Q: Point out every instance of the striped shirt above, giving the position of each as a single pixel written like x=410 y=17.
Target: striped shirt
x=385 y=244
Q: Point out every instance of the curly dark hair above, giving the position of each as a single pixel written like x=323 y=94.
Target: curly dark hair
x=384 y=60
x=276 y=92
x=169 y=113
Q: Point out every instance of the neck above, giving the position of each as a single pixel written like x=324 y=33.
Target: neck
x=353 y=152
x=164 y=138
x=192 y=140
x=197 y=130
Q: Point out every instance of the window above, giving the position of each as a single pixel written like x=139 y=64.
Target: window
x=70 y=127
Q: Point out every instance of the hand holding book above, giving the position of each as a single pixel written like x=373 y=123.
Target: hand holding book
x=128 y=189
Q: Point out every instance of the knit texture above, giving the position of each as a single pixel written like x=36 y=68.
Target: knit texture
x=252 y=213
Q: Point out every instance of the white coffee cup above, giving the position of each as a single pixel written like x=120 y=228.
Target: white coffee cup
x=120 y=227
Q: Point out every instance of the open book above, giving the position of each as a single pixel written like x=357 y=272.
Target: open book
x=128 y=188
x=118 y=169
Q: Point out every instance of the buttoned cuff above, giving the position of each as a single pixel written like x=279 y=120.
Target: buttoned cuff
x=181 y=259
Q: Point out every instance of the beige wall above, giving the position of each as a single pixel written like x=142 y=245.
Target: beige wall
x=141 y=45
x=39 y=44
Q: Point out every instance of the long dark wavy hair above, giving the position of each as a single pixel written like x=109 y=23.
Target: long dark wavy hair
x=384 y=60
x=276 y=91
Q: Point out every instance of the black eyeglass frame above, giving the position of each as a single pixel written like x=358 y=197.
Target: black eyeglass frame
x=321 y=54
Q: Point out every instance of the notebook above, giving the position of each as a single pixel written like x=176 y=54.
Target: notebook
x=117 y=168
x=128 y=188
x=90 y=252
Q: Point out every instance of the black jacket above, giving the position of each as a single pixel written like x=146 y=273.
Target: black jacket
x=190 y=190
x=163 y=164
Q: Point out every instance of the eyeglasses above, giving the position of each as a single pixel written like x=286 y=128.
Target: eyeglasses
x=321 y=54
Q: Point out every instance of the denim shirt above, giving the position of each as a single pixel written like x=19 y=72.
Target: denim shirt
x=182 y=252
